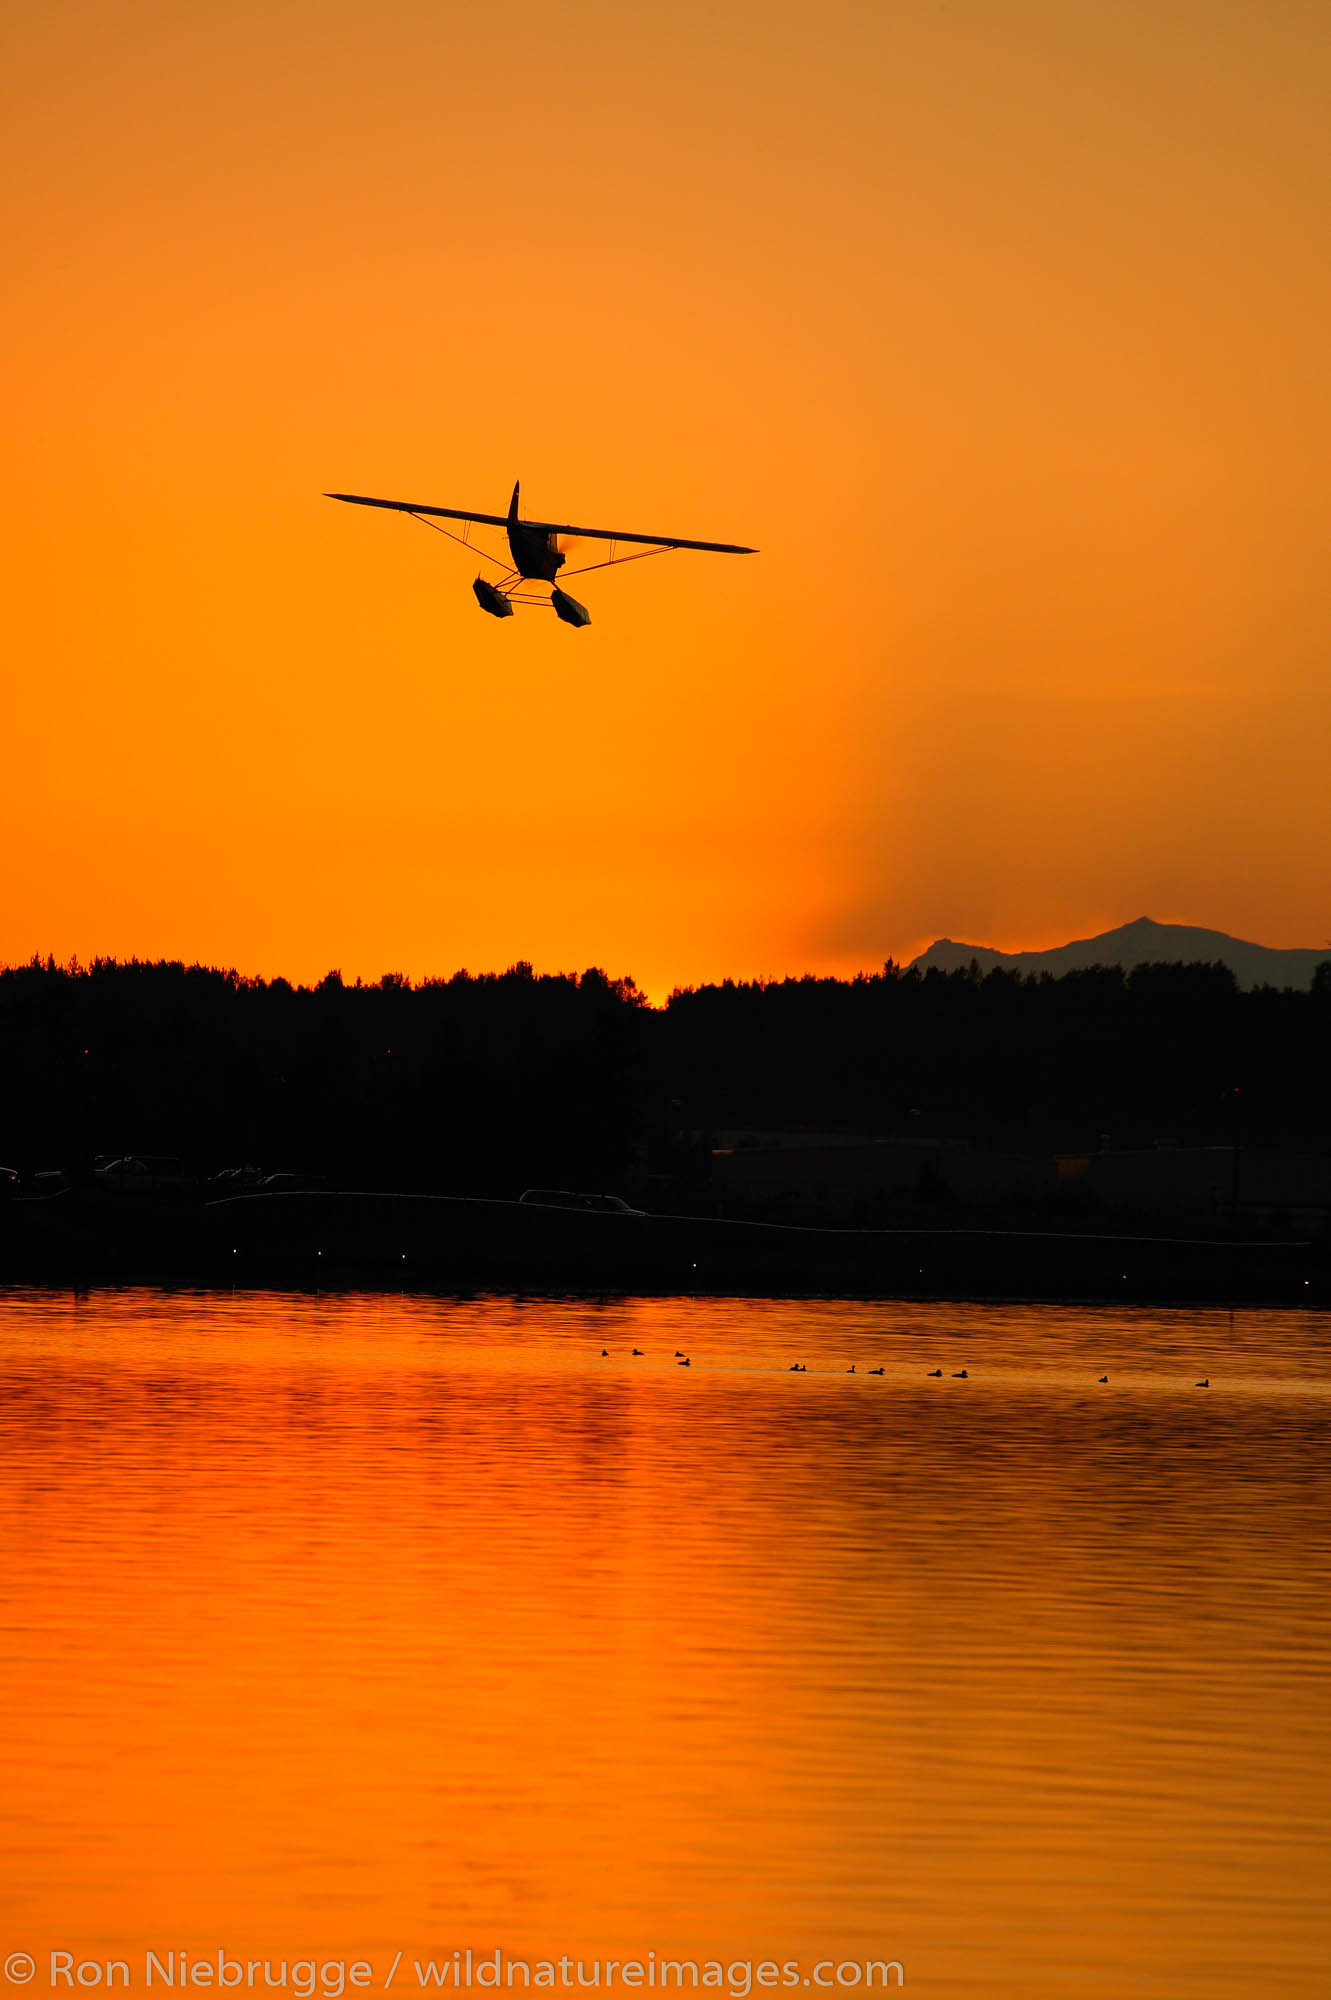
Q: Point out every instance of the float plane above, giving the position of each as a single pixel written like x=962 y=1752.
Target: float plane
x=535 y=552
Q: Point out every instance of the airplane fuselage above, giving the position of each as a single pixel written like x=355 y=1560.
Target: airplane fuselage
x=533 y=549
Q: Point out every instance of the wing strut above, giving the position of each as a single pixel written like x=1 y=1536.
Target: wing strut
x=639 y=555
x=462 y=540
x=474 y=548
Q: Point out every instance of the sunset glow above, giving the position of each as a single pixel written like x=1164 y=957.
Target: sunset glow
x=999 y=330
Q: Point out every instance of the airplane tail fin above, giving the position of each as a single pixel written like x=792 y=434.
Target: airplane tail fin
x=513 y=503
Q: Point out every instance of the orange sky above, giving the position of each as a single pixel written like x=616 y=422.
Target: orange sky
x=1001 y=329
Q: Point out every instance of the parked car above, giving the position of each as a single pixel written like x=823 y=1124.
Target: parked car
x=140 y=1173
x=234 y=1180
x=598 y=1204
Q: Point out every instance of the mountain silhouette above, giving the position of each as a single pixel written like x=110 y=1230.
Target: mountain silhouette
x=1143 y=942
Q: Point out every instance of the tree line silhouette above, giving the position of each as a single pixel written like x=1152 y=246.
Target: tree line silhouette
x=488 y=1083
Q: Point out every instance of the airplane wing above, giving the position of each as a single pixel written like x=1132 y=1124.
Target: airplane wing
x=548 y=527
x=621 y=535
x=417 y=507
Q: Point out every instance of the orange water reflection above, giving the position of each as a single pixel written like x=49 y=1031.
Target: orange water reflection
x=344 y=1625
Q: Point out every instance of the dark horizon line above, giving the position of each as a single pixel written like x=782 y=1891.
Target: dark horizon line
x=625 y=985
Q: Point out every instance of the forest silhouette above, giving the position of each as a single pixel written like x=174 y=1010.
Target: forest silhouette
x=485 y=1084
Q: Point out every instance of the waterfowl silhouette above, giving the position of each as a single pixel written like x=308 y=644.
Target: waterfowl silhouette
x=604 y=1352
x=685 y=1362
x=875 y=1371
x=1104 y=1378
x=851 y=1369
x=637 y=1350
x=933 y=1372
x=1205 y=1383
x=678 y=1352
x=958 y=1374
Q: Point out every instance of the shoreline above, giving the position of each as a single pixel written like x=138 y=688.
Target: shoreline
x=332 y=1240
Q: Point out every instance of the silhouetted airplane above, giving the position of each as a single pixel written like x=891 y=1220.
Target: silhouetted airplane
x=536 y=556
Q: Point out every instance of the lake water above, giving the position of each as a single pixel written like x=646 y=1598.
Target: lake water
x=344 y=1626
